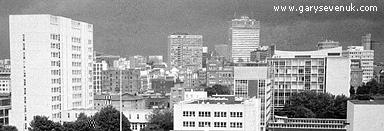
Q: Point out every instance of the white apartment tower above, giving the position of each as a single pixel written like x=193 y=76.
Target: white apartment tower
x=244 y=38
x=52 y=62
x=366 y=58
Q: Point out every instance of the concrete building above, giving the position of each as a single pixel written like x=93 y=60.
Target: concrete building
x=365 y=115
x=185 y=51
x=255 y=82
x=205 y=56
x=137 y=61
x=129 y=101
x=244 y=38
x=379 y=73
x=321 y=71
x=128 y=80
x=218 y=73
x=327 y=44
x=155 y=59
x=306 y=124
x=5 y=107
x=262 y=53
x=223 y=51
x=366 y=41
x=52 y=59
x=162 y=85
x=98 y=68
x=5 y=80
x=109 y=59
x=217 y=114
x=181 y=93
x=358 y=53
x=356 y=73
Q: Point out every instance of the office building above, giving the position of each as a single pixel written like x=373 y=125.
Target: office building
x=320 y=71
x=358 y=53
x=255 y=82
x=366 y=41
x=162 y=85
x=137 y=62
x=224 y=114
x=185 y=51
x=244 y=38
x=327 y=44
x=5 y=107
x=365 y=115
x=128 y=80
x=156 y=59
x=218 y=73
x=52 y=59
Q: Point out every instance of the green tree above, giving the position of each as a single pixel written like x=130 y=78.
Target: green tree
x=42 y=123
x=160 y=119
x=108 y=119
x=312 y=104
x=83 y=123
x=218 y=89
x=352 y=91
x=8 y=128
x=362 y=90
x=373 y=86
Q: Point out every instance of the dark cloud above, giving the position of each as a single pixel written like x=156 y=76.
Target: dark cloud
x=129 y=27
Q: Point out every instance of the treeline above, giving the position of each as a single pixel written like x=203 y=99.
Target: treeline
x=367 y=91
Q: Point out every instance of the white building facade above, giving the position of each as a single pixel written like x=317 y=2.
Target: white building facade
x=320 y=71
x=52 y=59
x=365 y=115
x=217 y=114
x=244 y=37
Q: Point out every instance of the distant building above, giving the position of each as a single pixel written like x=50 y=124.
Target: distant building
x=181 y=93
x=365 y=115
x=327 y=44
x=185 y=51
x=128 y=80
x=205 y=56
x=320 y=71
x=261 y=54
x=52 y=60
x=109 y=59
x=358 y=53
x=5 y=107
x=137 y=61
x=98 y=68
x=378 y=73
x=223 y=50
x=217 y=114
x=366 y=41
x=244 y=38
x=255 y=82
x=306 y=124
x=5 y=80
x=162 y=85
x=129 y=101
x=155 y=59
x=218 y=73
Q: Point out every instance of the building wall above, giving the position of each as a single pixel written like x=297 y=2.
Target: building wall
x=250 y=115
x=129 y=80
x=365 y=56
x=244 y=37
x=185 y=51
x=365 y=117
x=217 y=73
x=51 y=60
x=338 y=76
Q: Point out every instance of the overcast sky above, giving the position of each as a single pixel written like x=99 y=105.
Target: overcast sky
x=130 y=27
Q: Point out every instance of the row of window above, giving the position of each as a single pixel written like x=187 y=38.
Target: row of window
x=76 y=39
x=76 y=64
x=76 y=48
x=76 y=80
x=56 y=81
x=55 y=37
x=76 y=56
x=76 y=72
x=215 y=124
x=56 y=89
x=56 y=98
x=208 y=114
x=55 y=72
x=55 y=54
x=55 y=63
x=56 y=107
x=55 y=46
x=76 y=88
x=76 y=96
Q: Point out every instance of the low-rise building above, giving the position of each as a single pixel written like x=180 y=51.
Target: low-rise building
x=129 y=101
x=128 y=80
x=306 y=124
x=365 y=115
x=217 y=114
x=219 y=73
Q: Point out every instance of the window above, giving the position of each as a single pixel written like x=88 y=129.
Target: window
x=220 y=114
x=236 y=114
x=204 y=124
x=236 y=125
x=188 y=124
x=220 y=124
x=204 y=114
x=189 y=113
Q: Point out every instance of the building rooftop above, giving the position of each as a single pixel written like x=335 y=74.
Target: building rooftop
x=368 y=102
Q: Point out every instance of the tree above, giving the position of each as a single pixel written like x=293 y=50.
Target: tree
x=352 y=91
x=381 y=89
x=218 y=89
x=361 y=90
x=42 y=123
x=108 y=119
x=8 y=128
x=160 y=119
x=83 y=123
x=320 y=105
x=373 y=86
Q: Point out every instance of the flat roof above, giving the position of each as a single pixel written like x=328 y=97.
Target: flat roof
x=368 y=102
x=215 y=102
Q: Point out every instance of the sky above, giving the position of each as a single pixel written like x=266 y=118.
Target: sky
x=141 y=27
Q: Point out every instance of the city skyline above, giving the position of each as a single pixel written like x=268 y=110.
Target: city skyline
x=127 y=25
